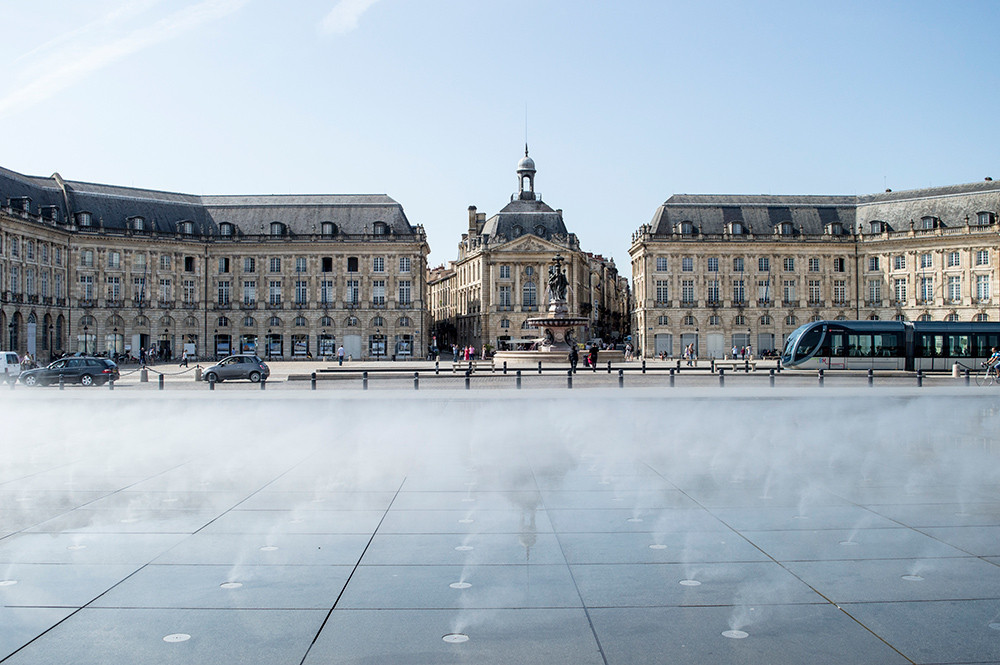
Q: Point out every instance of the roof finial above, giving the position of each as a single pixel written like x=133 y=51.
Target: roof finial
x=525 y=148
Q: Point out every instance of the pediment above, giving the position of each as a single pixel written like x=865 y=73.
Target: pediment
x=529 y=243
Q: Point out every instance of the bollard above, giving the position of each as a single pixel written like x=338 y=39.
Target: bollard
x=10 y=380
x=437 y=367
x=821 y=378
x=722 y=377
x=678 y=363
x=312 y=381
x=621 y=378
x=518 y=379
x=920 y=377
x=467 y=381
x=770 y=376
x=643 y=365
x=569 y=378
x=364 y=380
x=143 y=376
x=62 y=382
x=746 y=366
x=505 y=367
x=416 y=380
x=111 y=384
x=711 y=366
x=263 y=383
x=966 y=377
x=671 y=377
x=211 y=382
x=197 y=373
x=539 y=366
x=871 y=377
x=161 y=381
x=609 y=367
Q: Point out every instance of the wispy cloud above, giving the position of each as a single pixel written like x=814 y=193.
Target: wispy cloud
x=344 y=17
x=61 y=69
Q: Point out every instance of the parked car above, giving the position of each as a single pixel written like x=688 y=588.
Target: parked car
x=85 y=370
x=10 y=366
x=240 y=366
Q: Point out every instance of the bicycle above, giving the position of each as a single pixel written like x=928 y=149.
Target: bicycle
x=988 y=375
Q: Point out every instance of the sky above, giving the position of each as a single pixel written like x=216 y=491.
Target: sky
x=622 y=103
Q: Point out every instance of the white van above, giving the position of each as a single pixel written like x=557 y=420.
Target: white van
x=10 y=366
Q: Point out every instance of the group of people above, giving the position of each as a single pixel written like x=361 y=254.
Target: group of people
x=591 y=359
x=742 y=352
x=464 y=353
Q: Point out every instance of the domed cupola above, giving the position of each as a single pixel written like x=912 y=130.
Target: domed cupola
x=526 y=174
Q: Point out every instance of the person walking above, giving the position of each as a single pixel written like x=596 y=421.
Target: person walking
x=340 y=355
x=184 y=359
x=574 y=358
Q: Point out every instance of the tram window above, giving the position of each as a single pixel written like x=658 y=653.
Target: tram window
x=808 y=343
x=887 y=345
x=859 y=346
x=931 y=346
x=984 y=344
x=959 y=346
x=833 y=344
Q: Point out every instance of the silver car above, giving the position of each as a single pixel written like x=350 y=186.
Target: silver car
x=242 y=366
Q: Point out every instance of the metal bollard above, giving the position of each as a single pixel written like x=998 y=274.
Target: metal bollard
x=678 y=363
x=312 y=381
x=722 y=377
x=263 y=383
x=746 y=366
x=920 y=377
x=505 y=367
x=62 y=382
x=161 y=382
x=143 y=376
x=966 y=372
x=211 y=382
x=539 y=366
x=467 y=382
x=643 y=365
x=364 y=380
x=437 y=367
x=821 y=378
x=871 y=377
x=771 y=377
x=609 y=367
x=711 y=366
x=518 y=379
x=671 y=377
x=569 y=378
x=416 y=380
x=111 y=384
x=621 y=378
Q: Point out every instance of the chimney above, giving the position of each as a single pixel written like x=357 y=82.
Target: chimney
x=472 y=220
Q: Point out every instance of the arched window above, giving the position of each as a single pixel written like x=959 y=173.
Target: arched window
x=791 y=320
x=326 y=322
x=328 y=229
x=404 y=322
x=688 y=320
x=378 y=322
x=226 y=230
x=83 y=219
x=841 y=317
x=351 y=322
x=663 y=320
x=765 y=320
x=300 y=321
x=138 y=224
x=223 y=322
x=952 y=318
x=248 y=322
x=871 y=317
x=739 y=320
x=191 y=321
x=141 y=322
x=517 y=230
x=899 y=317
x=982 y=316
x=277 y=229
x=505 y=324
x=274 y=322
x=875 y=226
x=715 y=320
x=525 y=326
x=540 y=231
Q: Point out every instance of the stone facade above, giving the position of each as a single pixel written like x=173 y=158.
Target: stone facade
x=113 y=270
x=501 y=275
x=719 y=271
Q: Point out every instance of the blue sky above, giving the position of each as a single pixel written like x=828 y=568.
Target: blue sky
x=425 y=100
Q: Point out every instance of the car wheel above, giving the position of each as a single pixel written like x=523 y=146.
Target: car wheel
x=86 y=380
x=30 y=380
x=212 y=377
x=254 y=377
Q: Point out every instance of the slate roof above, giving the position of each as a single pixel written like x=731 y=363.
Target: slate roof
x=112 y=206
x=528 y=216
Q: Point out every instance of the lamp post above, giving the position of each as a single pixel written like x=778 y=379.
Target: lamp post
x=378 y=346
x=114 y=342
x=321 y=351
x=10 y=335
x=86 y=341
x=166 y=338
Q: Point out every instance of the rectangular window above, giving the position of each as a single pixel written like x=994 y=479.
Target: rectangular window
x=29 y=250
x=378 y=264
x=982 y=257
x=739 y=291
x=738 y=264
x=788 y=292
x=45 y=253
x=764 y=264
x=249 y=292
x=839 y=265
x=114 y=260
x=59 y=285
x=378 y=292
x=875 y=291
x=661 y=264
x=58 y=256
x=813 y=265
x=954 y=288
x=86 y=286
x=139 y=288
x=873 y=264
x=926 y=289
x=763 y=291
x=713 y=291
x=188 y=286
x=29 y=281
x=223 y=266
x=15 y=248
x=274 y=292
x=139 y=262
x=687 y=264
x=352 y=294
x=687 y=292
x=713 y=264
x=249 y=265
x=301 y=291
x=15 y=279
x=899 y=261
x=662 y=291
x=166 y=290
x=983 y=288
x=275 y=264
x=504 y=296
x=404 y=292
x=925 y=261
x=188 y=264
x=224 y=292
x=788 y=264
x=86 y=257
x=300 y=264
x=326 y=291
x=899 y=290
x=404 y=265
x=954 y=259
x=840 y=292
x=814 y=292
x=114 y=284
x=326 y=264
x=44 y=278
x=504 y=272
x=165 y=262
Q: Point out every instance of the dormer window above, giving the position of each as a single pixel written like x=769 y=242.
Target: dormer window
x=985 y=218
x=83 y=219
x=137 y=224
x=517 y=230
x=185 y=228
x=876 y=226
x=835 y=228
x=277 y=229
x=50 y=213
x=687 y=228
x=380 y=228
x=786 y=229
x=22 y=203
x=927 y=223
x=226 y=230
x=736 y=228
x=540 y=231
x=328 y=229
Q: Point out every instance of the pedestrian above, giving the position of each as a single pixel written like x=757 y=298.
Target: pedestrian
x=184 y=359
x=734 y=352
x=340 y=355
x=574 y=358
x=594 y=350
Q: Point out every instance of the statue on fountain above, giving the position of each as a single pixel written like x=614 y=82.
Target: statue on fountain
x=557 y=282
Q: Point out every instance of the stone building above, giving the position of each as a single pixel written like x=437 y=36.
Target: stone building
x=108 y=269
x=724 y=270
x=500 y=277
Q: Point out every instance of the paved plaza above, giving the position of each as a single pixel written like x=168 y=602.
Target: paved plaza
x=751 y=524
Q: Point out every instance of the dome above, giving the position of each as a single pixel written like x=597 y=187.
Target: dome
x=526 y=163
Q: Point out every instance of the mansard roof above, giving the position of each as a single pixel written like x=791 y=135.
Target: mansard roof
x=526 y=215
x=111 y=206
x=712 y=213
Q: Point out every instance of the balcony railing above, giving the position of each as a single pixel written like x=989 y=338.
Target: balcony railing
x=529 y=308
x=816 y=303
x=189 y=304
x=405 y=305
x=841 y=303
x=300 y=305
x=764 y=302
x=689 y=303
x=873 y=303
x=248 y=304
x=221 y=305
x=739 y=302
x=165 y=304
x=789 y=303
x=275 y=305
x=116 y=304
x=32 y=300
x=60 y=302
x=663 y=303
x=87 y=303
x=505 y=308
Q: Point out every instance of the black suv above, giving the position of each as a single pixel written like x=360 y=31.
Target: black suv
x=85 y=370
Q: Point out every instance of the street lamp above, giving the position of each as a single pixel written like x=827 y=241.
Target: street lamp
x=378 y=339
x=114 y=342
x=86 y=341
